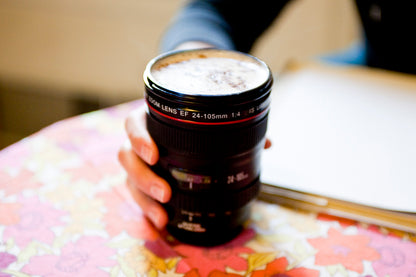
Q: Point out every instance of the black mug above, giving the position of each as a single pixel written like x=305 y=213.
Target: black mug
x=207 y=112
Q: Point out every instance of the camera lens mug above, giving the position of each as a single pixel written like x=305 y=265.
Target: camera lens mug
x=207 y=112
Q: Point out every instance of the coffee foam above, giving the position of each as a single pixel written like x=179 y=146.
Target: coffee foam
x=209 y=72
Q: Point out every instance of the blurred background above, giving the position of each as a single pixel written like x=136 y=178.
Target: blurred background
x=60 y=58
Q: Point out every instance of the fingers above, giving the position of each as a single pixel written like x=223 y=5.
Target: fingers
x=142 y=176
x=152 y=210
x=141 y=142
x=145 y=186
x=135 y=156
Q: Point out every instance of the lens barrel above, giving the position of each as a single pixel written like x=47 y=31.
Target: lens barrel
x=209 y=147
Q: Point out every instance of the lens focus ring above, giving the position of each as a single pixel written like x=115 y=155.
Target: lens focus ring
x=215 y=201
x=223 y=139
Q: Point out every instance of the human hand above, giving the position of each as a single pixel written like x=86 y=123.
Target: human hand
x=136 y=155
x=146 y=187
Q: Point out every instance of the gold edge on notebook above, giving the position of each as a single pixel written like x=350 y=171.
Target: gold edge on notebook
x=366 y=214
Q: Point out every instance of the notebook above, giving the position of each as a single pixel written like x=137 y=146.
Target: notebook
x=344 y=132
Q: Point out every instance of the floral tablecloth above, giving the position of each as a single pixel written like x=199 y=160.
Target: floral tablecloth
x=65 y=211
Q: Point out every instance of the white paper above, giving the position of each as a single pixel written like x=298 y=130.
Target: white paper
x=343 y=137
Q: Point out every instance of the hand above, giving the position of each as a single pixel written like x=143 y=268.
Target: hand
x=145 y=186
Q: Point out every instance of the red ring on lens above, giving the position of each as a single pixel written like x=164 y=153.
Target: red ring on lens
x=206 y=123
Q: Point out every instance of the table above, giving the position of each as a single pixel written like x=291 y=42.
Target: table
x=65 y=211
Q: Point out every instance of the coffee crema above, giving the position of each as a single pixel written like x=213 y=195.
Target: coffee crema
x=209 y=73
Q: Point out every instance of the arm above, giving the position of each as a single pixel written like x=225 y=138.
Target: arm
x=224 y=24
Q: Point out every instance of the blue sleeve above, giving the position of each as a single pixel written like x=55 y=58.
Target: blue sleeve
x=227 y=24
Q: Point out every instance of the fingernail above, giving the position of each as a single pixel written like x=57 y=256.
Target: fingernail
x=157 y=193
x=146 y=154
x=126 y=145
x=155 y=217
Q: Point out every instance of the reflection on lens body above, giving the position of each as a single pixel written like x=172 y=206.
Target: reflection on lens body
x=207 y=112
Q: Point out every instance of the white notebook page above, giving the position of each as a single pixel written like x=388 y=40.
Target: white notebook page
x=343 y=136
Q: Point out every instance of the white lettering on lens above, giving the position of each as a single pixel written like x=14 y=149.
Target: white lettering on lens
x=169 y=109
x=193 y=227
x=183 y=113
x=240 y=176
x=153 y=102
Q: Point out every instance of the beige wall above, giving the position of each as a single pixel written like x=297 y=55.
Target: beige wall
x=59 y=58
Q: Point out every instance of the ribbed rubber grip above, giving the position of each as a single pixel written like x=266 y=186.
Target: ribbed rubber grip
x=230 y=139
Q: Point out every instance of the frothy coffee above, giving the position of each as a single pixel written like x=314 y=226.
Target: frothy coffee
x=209 y=73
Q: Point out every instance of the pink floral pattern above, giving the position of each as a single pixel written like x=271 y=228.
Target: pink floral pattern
x=279 y=267
x=123 y=214
x=82 y=258
x=36 y=221
x=23 y=181
x=348 y=250
x=10 y=213
x=16 y=156
x=397 y=256
x=6 y=259
x=204 y=260
x=65 y=211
